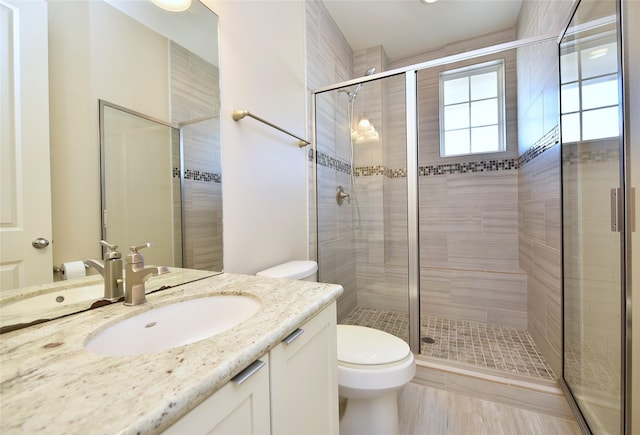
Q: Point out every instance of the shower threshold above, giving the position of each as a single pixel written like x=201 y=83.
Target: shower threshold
x=508 y=350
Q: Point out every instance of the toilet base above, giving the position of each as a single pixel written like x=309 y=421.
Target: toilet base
x=374 y=416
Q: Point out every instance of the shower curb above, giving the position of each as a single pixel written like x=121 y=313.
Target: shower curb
x=541 y=396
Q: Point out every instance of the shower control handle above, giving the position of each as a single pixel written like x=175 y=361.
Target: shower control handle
x=341 y=195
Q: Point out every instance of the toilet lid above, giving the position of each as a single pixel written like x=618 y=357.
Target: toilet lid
x=368 y=346
x=296 y=269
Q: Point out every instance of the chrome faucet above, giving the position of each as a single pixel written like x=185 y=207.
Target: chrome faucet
x=111 y=271
x=136 y=274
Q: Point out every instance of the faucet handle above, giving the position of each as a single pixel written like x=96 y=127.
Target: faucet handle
x=113 y=253
x=134 y=257
x=135 y=249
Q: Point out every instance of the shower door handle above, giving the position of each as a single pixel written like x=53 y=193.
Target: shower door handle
x=617 y=210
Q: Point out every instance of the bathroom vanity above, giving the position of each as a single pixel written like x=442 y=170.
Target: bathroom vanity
x=51 y=383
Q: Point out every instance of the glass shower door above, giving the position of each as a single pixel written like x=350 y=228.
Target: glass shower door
x=591 y=189
x=361 y=191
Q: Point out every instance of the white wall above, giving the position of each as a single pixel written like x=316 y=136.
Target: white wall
x=262 y=69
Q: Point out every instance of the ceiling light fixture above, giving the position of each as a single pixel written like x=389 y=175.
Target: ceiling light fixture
x=428 y=1
x=364 y=123
x=173 y=5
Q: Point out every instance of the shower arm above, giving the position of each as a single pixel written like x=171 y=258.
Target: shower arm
x=237 y=115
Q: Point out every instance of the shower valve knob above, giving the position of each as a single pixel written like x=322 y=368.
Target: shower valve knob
x=341 y=195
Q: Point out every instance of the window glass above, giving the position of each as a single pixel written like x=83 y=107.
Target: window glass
x=472 y=109
x=589 y=91
x=484 y=112
x=484 y=85
x=484 y=139
x=571 y=127
x=600 y=123
x=599 y=60
x=456 y=116
x=456 y=90
x=570 y=98
x=457 y=142
x=599 y=92
x=569 y=66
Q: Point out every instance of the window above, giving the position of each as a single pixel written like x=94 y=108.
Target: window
x=472 y=110
x=589 y=90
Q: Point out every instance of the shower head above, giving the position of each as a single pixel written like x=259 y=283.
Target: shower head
x=346 y=91
x=371 y=71
x=353 y=94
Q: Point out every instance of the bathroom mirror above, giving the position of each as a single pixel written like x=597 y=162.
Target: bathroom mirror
x=162 y=64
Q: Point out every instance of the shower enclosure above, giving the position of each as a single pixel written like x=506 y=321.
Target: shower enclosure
x=473 y=205
x=434 y=257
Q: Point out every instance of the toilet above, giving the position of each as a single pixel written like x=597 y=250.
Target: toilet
x=372 y=367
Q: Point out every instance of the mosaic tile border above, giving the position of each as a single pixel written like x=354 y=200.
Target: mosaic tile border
x=469 y=167
x=330 y=162
x=582 y=157
x=548 y=141
x=545 y=143
x=369 y=171
x=195 y=175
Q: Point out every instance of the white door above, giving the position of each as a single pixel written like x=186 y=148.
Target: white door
x=25 y=187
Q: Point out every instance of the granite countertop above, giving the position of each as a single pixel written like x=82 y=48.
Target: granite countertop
x=50 y=383
x=93 y=286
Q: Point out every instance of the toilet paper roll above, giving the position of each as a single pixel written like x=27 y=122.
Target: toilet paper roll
x=73 y=269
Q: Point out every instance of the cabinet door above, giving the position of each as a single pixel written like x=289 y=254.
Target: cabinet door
x=241 y=407
x=304 y=384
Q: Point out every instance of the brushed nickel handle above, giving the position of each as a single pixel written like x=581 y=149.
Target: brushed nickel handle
x=293 y=336
x=248 y=372
x=40 y=243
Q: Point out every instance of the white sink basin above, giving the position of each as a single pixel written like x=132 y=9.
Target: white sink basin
x=173 y=325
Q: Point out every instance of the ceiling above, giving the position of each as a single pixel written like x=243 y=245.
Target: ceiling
x=408 y=27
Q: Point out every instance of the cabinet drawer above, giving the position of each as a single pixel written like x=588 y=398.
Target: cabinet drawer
x=240 y=407
x=303 y=369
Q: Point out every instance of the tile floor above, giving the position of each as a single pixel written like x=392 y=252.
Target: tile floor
x=506 y=349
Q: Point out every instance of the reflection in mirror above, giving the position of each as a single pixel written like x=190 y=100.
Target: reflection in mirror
x=143 y=183
x=141 y=198
x=157 y=63
x=165 y=65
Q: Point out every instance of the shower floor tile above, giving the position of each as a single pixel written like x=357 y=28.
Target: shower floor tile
x=507 y=349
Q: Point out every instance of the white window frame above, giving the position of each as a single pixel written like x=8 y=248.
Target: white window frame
x=469 y=71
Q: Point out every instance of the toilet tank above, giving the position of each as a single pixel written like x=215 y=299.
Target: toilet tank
x=299 y=269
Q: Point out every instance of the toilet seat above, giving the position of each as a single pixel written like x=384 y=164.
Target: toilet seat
x=371 y=362
x=363 y=346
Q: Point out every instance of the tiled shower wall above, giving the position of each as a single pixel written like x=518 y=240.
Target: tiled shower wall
x=539 y=174
x=468 y=217
x=202 y=190
x=330 y=60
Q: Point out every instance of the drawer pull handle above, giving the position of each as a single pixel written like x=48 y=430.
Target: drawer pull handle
x=248 y=372
x=292 y=337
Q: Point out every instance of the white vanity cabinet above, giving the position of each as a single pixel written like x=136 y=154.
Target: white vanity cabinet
x=240 y=407
x=304 y=384
x=291 y=391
